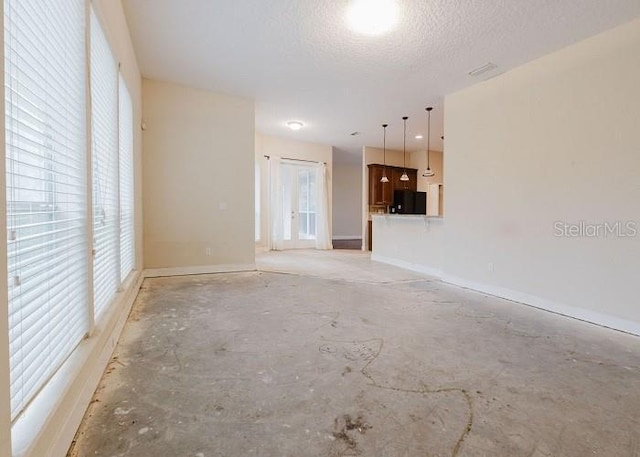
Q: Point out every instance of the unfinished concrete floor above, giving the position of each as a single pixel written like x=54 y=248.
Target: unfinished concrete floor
x=341 y=356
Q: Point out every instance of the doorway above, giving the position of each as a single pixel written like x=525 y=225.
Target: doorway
x=299 y=205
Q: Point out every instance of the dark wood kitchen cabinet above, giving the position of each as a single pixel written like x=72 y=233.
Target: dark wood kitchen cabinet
x=382 y=193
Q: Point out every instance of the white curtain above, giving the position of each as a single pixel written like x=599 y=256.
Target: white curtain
x=275 y=235
x=323 y=231
x=276 y=225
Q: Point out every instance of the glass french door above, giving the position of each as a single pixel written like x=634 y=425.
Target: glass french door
x=299 y=201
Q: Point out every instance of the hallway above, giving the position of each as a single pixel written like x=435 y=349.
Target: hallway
x=326 y=353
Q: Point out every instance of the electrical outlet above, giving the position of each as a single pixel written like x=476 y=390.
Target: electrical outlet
x=491 y=267
x=207 y=252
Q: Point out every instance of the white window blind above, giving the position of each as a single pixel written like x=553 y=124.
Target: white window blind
x=45 y=67
x=104 y=128
x=127 y=228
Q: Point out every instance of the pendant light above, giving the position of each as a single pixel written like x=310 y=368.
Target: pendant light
x=404 y=176
x=384 y=154
x=428 y=173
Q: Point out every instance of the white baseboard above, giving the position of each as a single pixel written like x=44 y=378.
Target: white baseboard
x=425 y=270
x=344 y=237
x=49 y=424
x=198 y=270
x=593 y=317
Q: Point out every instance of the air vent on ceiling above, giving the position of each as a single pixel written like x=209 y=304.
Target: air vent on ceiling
x=483 y=69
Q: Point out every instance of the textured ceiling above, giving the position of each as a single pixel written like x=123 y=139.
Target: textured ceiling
x=299 y=60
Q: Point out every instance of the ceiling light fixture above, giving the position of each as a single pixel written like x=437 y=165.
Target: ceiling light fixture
x=295 y=125
x=384 y=154
x=405 y=176
x=419 y=137
x=428 y=173
x=372 y=17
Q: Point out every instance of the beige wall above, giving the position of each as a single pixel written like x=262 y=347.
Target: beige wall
x=418 y=159
x=266 y=145
x=376 y=155
x=276 y=146
x=554 y=140
x=198 y=175
x=347 y=188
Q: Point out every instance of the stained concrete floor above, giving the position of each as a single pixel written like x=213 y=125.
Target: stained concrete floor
x=330 y=354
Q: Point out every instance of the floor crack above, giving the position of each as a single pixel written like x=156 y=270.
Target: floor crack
x=423 y=391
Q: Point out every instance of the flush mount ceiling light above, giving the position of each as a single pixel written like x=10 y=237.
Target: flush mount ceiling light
x=419 y=137
x=372 y=17
x=295 y=125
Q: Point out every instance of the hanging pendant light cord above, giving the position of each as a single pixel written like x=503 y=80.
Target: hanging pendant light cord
x=428 y=136
x=384 y=148
x=404 y=144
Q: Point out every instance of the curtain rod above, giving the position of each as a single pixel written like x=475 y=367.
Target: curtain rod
x=298 y=160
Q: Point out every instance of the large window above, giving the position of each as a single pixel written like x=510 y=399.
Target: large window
x=50 y=204
x=46 y=188
x=105 y=141
x=307 y=198
x=299 y=187
x=127 y=222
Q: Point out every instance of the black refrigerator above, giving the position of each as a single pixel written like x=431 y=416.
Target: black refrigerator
x=410 y=202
